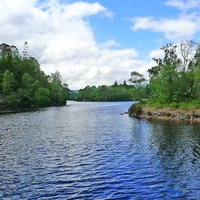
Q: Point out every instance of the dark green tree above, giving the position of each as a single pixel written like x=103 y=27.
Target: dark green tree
x=22 y=83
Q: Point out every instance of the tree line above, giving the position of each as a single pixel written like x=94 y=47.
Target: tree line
x=23 y=83
x=115 y=92
x=173 y=81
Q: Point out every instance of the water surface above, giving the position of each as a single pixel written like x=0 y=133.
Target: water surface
x=91 y=151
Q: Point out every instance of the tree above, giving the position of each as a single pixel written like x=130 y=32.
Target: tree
x=42 y=96
x=124 y=83
x=196 y=85
x=57 y=90
x=8 y=82
x=8 y=87
x=120 y=92
x=25 y=50
x=56 y=77
x=164 y=78
x=115 y=83
x=187 y=48
x=21 y=78
x=26 y=91
x=137 y=79
x=173 y=79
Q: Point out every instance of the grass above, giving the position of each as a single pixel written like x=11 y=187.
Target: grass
x=185 y=105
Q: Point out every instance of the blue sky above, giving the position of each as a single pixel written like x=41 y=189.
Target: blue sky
x=97 y=42
x=119 y=27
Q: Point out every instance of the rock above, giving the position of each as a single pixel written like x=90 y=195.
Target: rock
x=168 y=113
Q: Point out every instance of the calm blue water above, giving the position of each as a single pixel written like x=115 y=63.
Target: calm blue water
x=91 y=151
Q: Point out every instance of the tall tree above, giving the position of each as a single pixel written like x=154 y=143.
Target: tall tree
x=137 y=79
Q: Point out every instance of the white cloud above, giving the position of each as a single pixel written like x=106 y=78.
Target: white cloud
x=100 y=67
x=156 y=53
x=175 y=29
x=181 y=27
x=109 y=44
x=60 y=38
x=183 y=5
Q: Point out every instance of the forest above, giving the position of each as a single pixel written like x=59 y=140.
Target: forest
x=23 y=84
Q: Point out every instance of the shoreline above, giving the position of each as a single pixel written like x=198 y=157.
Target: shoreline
x=171 y=114
x=6 y=110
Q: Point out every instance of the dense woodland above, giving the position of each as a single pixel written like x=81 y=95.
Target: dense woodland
x=22 y=83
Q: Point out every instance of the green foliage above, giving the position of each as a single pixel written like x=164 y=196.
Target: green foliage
x=57 y=93
x=135 y=110
x=42 y=96
x=22 y=83
x=175 y=79
x=116 y=92
x=8 y=83
x=174 y=105
x=137 y=79
x=151 y=103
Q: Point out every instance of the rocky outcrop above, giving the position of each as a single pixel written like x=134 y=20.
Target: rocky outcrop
x=167 y=114
x=170 y=114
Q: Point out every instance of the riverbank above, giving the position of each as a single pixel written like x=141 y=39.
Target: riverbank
x=18 y=109
x=164 y=113
x=6 y=110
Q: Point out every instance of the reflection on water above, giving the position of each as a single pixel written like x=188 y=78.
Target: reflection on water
x=178 y=150
x=90 y=151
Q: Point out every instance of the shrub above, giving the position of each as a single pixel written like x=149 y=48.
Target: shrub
x=135 y=110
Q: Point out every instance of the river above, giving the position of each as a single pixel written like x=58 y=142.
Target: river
x=89 y=150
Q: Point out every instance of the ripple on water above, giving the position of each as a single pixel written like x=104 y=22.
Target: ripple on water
x=96 y=154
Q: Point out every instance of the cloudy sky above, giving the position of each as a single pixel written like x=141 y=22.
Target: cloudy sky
x=97 y=42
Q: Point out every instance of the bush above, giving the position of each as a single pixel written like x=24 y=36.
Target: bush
x=135 y=110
